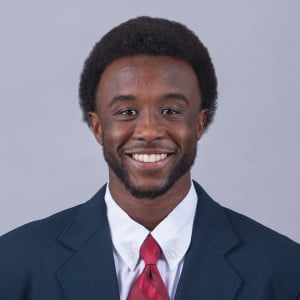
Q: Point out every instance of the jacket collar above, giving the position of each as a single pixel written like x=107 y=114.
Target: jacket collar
x=206 y=273
x=90 y=272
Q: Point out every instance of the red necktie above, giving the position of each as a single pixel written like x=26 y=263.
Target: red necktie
x=149 y=285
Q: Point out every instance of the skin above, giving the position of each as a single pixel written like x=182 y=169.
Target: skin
x=148 y=105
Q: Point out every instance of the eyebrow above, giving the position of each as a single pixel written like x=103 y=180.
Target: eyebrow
x=121 y=98
x=176 y=96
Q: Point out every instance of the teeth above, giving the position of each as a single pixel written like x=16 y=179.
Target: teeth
x=149 y=157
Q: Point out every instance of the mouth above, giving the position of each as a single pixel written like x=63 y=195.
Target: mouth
x=149 y=158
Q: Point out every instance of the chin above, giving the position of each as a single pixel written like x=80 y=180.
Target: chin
x=144 y=194
x=149 y=192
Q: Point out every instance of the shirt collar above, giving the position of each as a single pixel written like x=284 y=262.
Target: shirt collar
x=128 y=235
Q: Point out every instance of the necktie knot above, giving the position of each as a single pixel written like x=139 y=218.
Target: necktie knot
x=150 y=251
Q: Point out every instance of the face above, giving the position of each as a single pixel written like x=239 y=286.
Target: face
x=148 y=120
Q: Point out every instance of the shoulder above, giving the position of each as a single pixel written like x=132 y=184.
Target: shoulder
x=46 y=230
x=261 y=256
x=24 y=245
x=249 y=232
x=39 y=229
x=265 y=255
x=257 y=236
x=30 y=255
x=40 y=238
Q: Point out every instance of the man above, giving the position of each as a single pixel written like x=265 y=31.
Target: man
x=148 y=92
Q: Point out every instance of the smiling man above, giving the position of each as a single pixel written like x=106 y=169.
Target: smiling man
x=148 y=117
x=148 y=91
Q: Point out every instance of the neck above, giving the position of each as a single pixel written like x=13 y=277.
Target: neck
x=149 y=212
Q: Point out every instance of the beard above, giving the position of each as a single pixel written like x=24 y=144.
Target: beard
x=180 y=169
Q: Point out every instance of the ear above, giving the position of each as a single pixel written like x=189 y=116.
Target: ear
x=201 y=122
x=96 y=127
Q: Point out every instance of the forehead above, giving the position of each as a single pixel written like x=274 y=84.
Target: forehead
x=145 y=72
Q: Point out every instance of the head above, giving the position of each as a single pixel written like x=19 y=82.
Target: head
x=148 y=90
x=153 y=37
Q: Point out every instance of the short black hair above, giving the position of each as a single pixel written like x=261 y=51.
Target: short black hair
x=154 y=37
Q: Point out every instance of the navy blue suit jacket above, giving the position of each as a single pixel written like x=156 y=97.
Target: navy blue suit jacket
x=68 y=256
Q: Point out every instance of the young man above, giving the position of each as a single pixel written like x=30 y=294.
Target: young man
x=148 y=92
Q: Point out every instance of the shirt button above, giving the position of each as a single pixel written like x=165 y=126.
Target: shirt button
x=173 y=254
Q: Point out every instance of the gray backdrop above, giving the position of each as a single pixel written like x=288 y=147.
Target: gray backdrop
x=249 y=158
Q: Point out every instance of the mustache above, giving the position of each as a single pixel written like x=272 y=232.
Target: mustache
x=155 y=144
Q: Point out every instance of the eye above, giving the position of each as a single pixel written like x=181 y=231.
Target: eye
x=169 y=111
x=128 y=112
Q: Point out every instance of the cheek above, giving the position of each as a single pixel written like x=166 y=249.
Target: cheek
x=184 y=134
x=189 y=129
x=115 y=134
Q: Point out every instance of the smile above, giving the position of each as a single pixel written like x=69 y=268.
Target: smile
x=149 y=158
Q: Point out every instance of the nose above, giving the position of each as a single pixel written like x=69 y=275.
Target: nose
x=149 y=127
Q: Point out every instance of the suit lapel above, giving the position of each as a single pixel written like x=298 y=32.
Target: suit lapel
x=206 y=272
x=90 y=272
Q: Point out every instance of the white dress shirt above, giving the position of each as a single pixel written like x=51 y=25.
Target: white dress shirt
x=173 y=235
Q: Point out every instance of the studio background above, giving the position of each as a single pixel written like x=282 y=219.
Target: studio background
x=249 y=158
